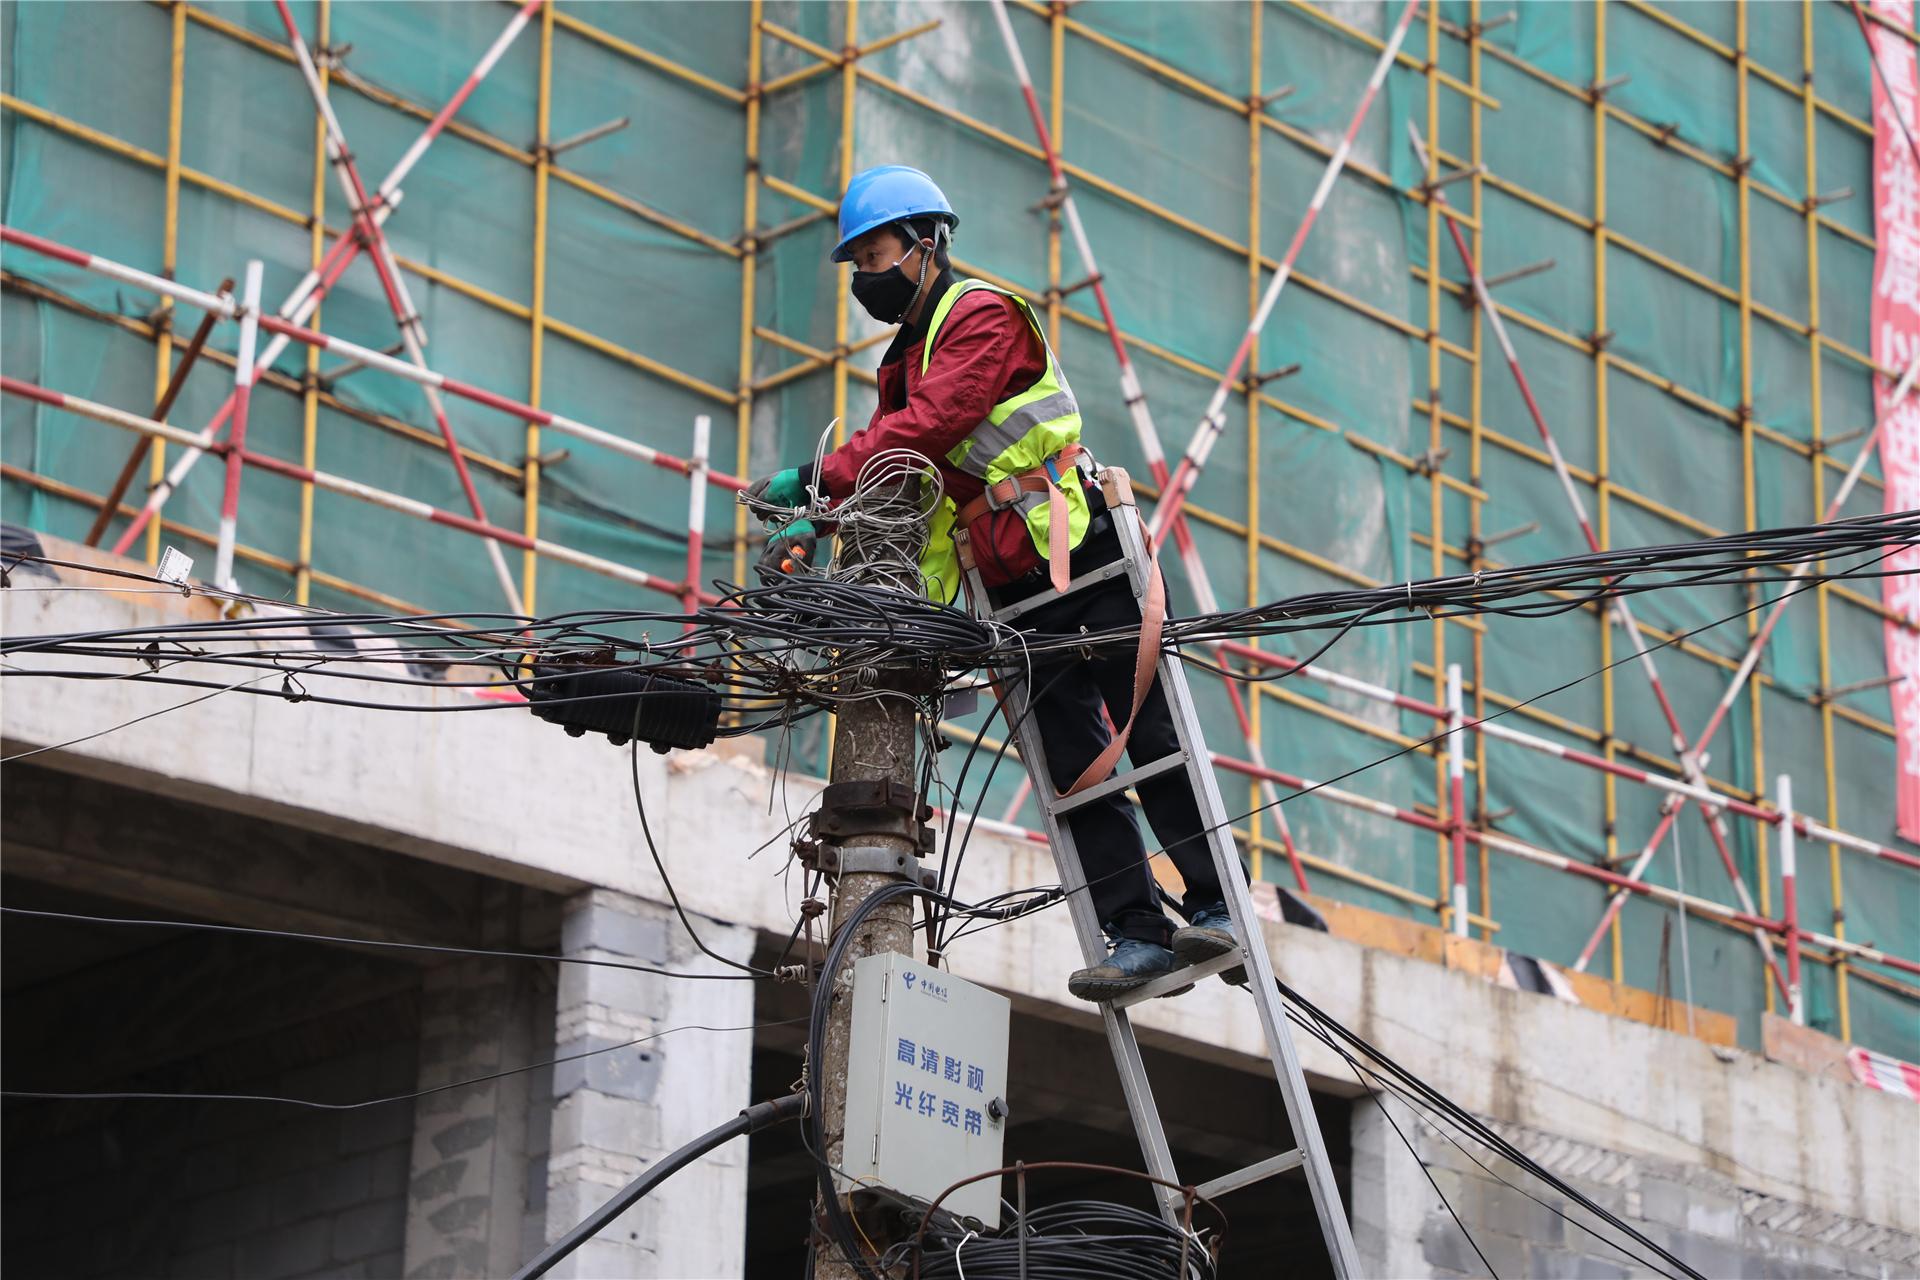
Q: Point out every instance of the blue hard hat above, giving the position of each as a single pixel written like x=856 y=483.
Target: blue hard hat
x=884 y=194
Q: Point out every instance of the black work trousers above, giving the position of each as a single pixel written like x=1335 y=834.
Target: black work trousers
x=1066 y=695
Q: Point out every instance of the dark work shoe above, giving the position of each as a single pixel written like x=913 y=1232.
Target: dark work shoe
x=1132 y=965
x=1209 y=934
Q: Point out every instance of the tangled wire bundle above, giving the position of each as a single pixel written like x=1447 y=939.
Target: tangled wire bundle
x=1071 y=1241
x=805 y=642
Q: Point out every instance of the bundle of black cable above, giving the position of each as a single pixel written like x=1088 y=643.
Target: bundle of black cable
x=1071 y=1241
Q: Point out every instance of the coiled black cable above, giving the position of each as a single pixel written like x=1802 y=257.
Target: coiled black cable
x=1069 y=1241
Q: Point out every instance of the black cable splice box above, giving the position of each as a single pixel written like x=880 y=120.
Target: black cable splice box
x=662 y=711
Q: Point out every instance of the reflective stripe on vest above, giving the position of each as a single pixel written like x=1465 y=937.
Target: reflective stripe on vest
x=1018 y=435
x=1046 y=410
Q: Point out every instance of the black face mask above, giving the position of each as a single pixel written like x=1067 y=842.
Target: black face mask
x=888 y=295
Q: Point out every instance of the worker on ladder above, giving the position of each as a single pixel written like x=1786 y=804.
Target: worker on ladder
x=971 y=383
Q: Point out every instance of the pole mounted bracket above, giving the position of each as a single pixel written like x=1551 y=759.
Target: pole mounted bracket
x=867 y=859
x=884 y=807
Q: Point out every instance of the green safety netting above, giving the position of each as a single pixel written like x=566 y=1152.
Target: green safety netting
x=627 y=297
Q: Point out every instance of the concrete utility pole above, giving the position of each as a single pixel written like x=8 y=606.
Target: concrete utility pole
x=871 y=832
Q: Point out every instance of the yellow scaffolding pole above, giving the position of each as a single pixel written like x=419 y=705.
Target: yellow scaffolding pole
x=1821 y=593
x=1475 y=442
x=1743 y=190
x=1608 y=726
x=1255 y=18
x=169 y=250
x=1436 y=436
x=310 y=393
x=537 y=320
x=749 y=283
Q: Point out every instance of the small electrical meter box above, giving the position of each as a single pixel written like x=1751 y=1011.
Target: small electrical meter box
x=926 y=1085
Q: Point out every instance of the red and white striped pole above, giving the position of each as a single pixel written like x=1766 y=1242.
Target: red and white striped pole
x=1789 y=898
x=1141 y=415
x=242 y=395
x=353 y=351
x=1130 y=390
x=696 y=512
x=323 y=277
x=1457 y=797
x=1214 y=420
x=347 y=488
x=1827 y=835
x=1751 y=658
x=1741 y=675
x=312 y=288
x=1623 y=616
x=405 y=315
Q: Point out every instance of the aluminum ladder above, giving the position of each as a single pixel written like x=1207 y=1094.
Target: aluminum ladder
x=1192 y=756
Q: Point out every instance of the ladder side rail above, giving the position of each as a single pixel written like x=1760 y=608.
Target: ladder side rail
x=1291 y=1078
x=1125 y=1046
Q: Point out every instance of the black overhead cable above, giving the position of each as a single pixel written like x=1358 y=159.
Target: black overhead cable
x=1048 y=896
x=789 y=647
x=482 y=952
x=1376 y=1084
x=1475 y=1128
x=50 y=1095
x=797 y=641
x=760 y=1115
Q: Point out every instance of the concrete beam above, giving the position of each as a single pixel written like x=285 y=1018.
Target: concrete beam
x=174 y=856
x=188 y=997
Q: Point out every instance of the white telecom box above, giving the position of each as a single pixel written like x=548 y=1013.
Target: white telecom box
x=926 y=1085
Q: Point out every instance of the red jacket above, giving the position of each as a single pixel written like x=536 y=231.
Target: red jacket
x=987 y=351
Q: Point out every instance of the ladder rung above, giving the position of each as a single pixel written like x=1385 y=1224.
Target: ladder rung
x=1113 y=569
x=1119 y=782
x=1184 y=976
x=1252 y=1173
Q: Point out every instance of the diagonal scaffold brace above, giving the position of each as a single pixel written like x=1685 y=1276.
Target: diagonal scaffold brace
x=1744 y=672
x=313 y=287
x=405 y=315
x=1135 y=396
x=1622 y=615
x=1214 y=420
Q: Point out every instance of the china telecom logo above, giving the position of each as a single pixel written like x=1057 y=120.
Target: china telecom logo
x=937 y=990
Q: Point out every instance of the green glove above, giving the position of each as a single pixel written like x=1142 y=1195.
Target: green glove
x=789 y=550
x=781 y=489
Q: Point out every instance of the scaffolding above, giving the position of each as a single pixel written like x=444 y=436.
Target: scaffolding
x=695 y=324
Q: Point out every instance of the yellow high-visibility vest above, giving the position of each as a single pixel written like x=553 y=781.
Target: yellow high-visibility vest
x=1018 y=435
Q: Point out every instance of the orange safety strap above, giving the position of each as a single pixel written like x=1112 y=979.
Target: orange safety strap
x=1153 y=608
x=999 y=496
x=1153 y=616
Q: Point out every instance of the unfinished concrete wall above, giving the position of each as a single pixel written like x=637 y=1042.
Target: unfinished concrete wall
x=469 y=1171
x=1703 y=1217
x=616 y=1112
x=220 y=1191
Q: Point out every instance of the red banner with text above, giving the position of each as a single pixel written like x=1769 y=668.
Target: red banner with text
x=1896 y=342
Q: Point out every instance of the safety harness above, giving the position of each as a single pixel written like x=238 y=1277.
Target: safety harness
x=1118 y=491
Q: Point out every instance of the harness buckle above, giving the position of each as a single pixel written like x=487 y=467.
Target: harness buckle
x=996 y=503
